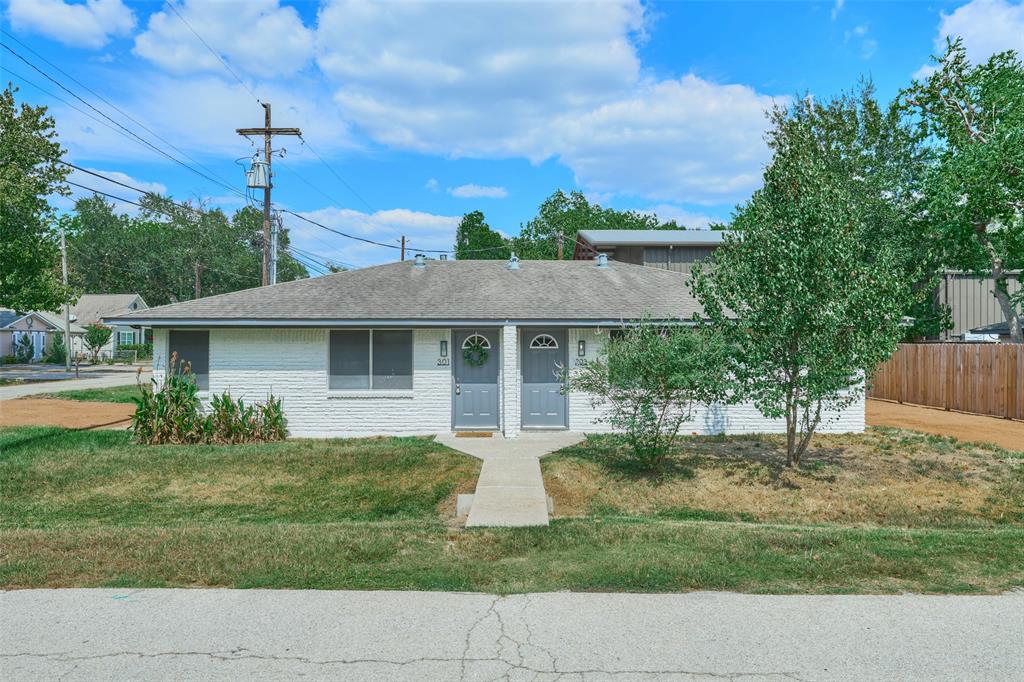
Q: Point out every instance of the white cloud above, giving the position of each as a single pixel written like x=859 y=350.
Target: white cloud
x=687 y=140
x=472 y=191
x=90 y=24
x=199 y=115
x=868 y=45
x=540 y=80
x=986 y=26
x=475 y=79
x=683 y=218
x=837 y=8
x=98 y=183
x=432 y=184
x=258 y=37
x=422 y=231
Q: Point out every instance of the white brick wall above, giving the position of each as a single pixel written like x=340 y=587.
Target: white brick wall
x=510 y=381
x=292 y=363
x=730 y=419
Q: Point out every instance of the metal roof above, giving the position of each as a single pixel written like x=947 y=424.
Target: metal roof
x=611 y=238
x=563 y=292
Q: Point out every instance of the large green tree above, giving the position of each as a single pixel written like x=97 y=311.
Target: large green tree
x=561 y=216
x=30 y=172
x=169 y=248
x=972 y=117
x=810 y=304
x=474 y=239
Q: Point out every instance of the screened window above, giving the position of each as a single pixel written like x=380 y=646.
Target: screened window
x=193 y=347
x=125 y=338
x=370 y=359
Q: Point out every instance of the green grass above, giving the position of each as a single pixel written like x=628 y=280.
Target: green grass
x=91 y=509
x=114 y=394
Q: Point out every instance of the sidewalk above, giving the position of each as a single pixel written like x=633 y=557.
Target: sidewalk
x=214 y=634
x=510 y=491
x=108 y=377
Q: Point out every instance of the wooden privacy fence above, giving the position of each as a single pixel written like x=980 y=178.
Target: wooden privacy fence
x=983 y=378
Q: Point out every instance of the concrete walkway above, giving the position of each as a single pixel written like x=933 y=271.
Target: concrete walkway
x=214 y=634
x=510 y=491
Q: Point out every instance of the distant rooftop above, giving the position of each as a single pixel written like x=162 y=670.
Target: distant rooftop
x=608 y=238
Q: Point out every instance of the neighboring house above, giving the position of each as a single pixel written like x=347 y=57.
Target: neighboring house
x=971 y=303
x=421 y=347
x=93 y=308
x=998 y=332
x=39 y=327
x=675 y=250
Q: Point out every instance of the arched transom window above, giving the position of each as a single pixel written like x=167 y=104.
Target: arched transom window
x=543 y=342
x=476 y=340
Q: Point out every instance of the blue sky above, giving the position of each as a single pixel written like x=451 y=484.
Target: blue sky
x=428 y=110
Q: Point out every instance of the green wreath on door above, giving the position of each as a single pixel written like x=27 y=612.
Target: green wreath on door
x=474 y=352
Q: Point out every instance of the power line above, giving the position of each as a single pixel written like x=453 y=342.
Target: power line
x=337 y=175
x=110 y=104
x=130 y=132
x=212 y=51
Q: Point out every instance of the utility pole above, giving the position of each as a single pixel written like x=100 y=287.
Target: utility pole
x=67 y=307
x=403 y=247
x=198 y=282
x=278 y=225
x=268 y=133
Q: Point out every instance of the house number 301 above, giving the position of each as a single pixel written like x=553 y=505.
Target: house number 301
x=442 y=362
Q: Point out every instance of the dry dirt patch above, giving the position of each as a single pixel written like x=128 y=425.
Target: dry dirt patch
x=1005 y=433
x=72 y=414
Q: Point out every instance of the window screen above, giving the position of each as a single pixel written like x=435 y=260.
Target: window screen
x=392 y=359
x=350 y=359
x=193 y=347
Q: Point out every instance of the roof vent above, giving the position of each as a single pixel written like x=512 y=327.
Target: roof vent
x=513 y=262
x=420 y=261
x=602 y=260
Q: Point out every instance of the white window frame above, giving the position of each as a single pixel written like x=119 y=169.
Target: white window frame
x=371 y=392
x=120 y=339
x=485 y=343
x=552 y=346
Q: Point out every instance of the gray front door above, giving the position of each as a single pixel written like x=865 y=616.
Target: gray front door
x=544 y=358
x=475 y=387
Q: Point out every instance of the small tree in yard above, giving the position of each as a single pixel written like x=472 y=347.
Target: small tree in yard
x=647 y=381
x=58 y=350
x=973 y=118
x=809 y=303
x=96 y=336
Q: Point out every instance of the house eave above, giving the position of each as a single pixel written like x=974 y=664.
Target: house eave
x=380 y=322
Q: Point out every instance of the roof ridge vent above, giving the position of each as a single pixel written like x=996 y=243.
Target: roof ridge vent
x=420 y=261
x=602 y=260
x=513 y=262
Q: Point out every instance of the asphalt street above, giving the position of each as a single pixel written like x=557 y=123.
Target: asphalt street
x=158 y=634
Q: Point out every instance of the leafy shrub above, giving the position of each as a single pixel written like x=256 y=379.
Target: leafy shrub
x=174 y=414
x=144 y=350
x=58 y=352
x=23 y=349
x=647 y=381
x=8 y=360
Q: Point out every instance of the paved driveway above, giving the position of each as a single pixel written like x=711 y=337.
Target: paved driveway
x=277 y=635
x=53 y=380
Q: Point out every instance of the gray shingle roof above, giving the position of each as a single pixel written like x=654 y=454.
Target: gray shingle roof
x=449 y=290
x=611 y=238
x=93 y=307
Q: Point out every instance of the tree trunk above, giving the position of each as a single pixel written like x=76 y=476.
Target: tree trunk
x=791 y=434
x=1001 y=289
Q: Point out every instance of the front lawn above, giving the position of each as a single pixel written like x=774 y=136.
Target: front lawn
x=91 y=509
x=113 y=394
x=885 y=477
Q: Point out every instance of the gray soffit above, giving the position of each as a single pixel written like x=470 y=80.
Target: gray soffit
x=448 y=293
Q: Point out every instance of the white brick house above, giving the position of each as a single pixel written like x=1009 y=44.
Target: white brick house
x=430 y=346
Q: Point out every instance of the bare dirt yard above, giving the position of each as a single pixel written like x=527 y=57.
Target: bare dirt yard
x=71 y=414
x=1005 y=433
